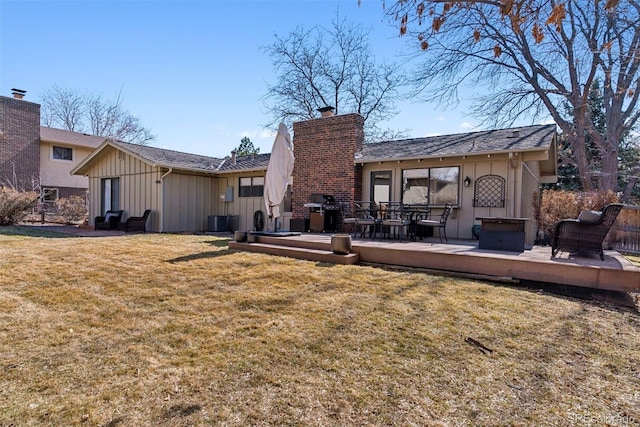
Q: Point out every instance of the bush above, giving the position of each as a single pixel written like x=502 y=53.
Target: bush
x=73 y=209
x=555 y=205
x=14 y=205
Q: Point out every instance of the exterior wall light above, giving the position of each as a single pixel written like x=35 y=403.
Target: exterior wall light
x=467 y=181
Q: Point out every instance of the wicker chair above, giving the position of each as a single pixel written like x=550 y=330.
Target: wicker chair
x=109 y=221
x=585 y=235
x=137 y=223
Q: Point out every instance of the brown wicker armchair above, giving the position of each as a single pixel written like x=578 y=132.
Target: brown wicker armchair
x=585 y=235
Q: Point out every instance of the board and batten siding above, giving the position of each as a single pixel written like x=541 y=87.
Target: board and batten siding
x=242 y=207
x=138 y=188
x=188 y=200
x=463 y=217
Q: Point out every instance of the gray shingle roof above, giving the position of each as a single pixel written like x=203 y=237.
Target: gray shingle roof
x=194 y=162
x=527 y=138
x=255 y=162
x=171 y=159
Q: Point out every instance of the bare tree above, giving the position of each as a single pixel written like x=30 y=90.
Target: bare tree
x=81 y=112
x=62 y=107
x=332 y=67
x=535 y=57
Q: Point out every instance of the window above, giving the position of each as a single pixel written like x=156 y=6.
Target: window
x=110 y=189
x=252 y=187
x=49 y=194
x=381 y=186
x=434 y=186
x=62 y=153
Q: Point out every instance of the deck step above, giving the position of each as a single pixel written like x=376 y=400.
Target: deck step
x=308 y=254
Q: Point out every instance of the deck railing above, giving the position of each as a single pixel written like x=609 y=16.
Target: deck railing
x=625 y=235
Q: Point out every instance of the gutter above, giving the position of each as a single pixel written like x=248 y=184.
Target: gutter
x=162 y=198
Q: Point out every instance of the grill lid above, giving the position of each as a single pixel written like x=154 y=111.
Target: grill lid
x=324 y=199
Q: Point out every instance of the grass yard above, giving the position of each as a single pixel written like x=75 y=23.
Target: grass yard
x=178 y=330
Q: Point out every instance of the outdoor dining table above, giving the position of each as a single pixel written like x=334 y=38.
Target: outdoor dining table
x=406 y=214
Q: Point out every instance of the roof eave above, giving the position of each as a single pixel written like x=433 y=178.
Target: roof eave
x=447 y=156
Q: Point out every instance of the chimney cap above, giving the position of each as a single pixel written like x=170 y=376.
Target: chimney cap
x=18 y=93
x=326 y=111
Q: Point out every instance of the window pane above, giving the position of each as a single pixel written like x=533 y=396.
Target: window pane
x=258 y=180
x=62 y=153
x=443 y=185
x=50 y=194
x=257 y=190
x=381 y=186
x=415 y=186
x=244 y=192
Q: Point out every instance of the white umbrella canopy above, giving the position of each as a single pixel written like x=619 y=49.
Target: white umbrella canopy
x=278 y=172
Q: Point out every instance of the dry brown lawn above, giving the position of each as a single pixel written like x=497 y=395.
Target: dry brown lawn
x=178 y=330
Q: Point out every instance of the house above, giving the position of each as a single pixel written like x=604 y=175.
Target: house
x=60 y=152
x=182 y=190
x=40 y=157
x=483 y=174
x=487 y=173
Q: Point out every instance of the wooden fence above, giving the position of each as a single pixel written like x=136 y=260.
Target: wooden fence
x=625 y=236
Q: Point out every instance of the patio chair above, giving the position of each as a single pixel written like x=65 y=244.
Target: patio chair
x=586 y=233
x=441 y=223
x=109 y=221
x=393 y=215
x=367 y=218
x=348 y=219
x=137 y=223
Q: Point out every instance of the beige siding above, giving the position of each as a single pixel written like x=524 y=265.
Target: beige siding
x=463 y=216
x=530 y=186
x=188 y=202
x=244 y=207
x=138 y=188
x=56 y=173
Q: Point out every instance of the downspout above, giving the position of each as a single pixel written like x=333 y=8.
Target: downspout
x=162 y=198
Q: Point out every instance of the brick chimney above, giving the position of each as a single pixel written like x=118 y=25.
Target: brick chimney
x=325 y=160
x=20 y=141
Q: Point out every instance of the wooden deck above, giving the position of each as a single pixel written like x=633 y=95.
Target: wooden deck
x=615 y=273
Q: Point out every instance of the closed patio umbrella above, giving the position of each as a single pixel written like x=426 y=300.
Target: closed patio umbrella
x=278 y=172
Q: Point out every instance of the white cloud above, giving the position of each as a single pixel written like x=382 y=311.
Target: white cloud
x=441 y=118
x=466 y=125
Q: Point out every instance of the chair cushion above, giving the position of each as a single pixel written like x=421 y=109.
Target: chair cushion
x=589 y=216
x=110 y=215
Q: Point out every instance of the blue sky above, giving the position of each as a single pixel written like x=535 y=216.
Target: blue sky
x=192 y=71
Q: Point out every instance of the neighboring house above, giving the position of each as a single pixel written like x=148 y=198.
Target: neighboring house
x=61 y=151
x=36 y=157
x=488 y=173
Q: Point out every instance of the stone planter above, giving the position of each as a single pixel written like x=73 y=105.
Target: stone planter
x=341 y=244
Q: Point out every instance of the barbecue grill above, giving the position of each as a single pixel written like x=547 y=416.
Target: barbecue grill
x=323 y=213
